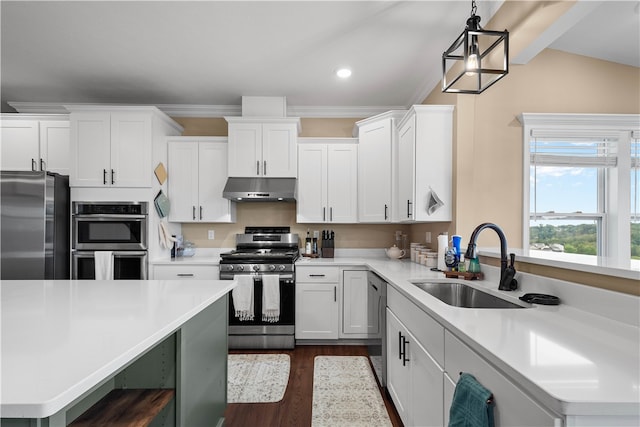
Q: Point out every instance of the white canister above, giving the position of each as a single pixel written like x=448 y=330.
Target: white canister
x=443 y=242
x=432 y=259
x=415 y=250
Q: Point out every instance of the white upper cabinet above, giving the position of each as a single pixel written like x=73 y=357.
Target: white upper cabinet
x=114 y=148
x=197 y=173
x=327 y=180
x=376 y=166
x=263 y=147
x=425 y=179
x=33 y=143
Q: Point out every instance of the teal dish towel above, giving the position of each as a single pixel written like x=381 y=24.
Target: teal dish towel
x=472 y=404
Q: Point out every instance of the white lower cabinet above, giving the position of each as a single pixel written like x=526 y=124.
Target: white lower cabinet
x=317 y=302
x=513 y=407
x=414 y=378
x=424 y=362
x=185 y=272
x=356 y=319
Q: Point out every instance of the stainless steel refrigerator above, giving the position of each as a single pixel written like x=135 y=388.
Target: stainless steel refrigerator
x=34 y=225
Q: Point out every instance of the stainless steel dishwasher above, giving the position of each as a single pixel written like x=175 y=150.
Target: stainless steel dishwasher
x=377 y=345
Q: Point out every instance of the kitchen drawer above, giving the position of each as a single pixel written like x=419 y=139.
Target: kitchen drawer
x=317 y=274
x=184 y=272
x=427 y=331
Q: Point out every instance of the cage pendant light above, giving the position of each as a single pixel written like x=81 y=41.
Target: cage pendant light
x=477 y=59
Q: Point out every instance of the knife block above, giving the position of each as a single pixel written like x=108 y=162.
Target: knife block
x=327 y=252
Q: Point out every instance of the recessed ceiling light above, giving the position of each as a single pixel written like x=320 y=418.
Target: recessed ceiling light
x=343 y=73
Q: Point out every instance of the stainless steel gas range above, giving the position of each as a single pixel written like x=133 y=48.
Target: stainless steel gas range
x=264 y=256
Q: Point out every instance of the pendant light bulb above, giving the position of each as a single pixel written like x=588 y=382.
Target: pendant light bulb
x=473 y=60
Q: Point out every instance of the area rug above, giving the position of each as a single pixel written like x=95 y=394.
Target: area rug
x=257 y=378
x=345 y=393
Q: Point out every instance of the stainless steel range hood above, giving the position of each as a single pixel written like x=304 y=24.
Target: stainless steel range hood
x=260 y=189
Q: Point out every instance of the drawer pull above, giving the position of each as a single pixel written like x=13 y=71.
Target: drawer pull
x=404 y=352
x=185 y=274
x=316 y=275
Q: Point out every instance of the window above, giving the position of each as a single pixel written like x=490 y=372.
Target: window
x=578 y=171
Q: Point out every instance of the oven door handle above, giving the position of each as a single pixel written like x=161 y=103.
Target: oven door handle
x=115 y=253
x=105 y=217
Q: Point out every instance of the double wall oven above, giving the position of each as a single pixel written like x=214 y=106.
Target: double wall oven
x=260 y=252
x=118 y=227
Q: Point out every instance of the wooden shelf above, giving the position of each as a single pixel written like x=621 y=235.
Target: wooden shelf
x=126 y=408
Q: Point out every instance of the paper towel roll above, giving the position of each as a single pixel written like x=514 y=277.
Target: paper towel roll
x=443 y=242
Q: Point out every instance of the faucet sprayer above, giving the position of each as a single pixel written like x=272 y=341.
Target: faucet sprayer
x=507 y=272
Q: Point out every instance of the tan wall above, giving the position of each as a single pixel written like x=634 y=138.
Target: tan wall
x=284 y=214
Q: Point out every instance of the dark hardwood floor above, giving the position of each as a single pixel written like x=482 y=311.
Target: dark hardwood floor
x=295 y=407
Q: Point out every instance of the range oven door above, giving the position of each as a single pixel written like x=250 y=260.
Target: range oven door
x=109 y=232
x=259 y=334
x=127 y=265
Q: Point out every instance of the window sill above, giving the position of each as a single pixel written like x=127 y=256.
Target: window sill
x=582 y=263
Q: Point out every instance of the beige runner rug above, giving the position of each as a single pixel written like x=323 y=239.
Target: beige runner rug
x=345 y=393
x=257 y=378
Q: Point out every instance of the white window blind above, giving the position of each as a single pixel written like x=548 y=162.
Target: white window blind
x=556 y=149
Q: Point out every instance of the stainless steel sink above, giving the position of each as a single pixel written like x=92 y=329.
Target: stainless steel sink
x=461 y=295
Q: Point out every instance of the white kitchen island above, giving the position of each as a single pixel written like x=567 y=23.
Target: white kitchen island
x=66 y=344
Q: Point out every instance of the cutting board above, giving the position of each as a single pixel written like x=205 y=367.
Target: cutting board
x=161 y=173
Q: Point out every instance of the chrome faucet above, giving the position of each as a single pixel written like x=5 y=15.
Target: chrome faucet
x=507 y=272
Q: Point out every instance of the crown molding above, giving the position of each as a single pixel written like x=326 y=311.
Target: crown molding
x=214 y=111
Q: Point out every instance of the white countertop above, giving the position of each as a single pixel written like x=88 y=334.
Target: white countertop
x=61 y=338
x=579 y=358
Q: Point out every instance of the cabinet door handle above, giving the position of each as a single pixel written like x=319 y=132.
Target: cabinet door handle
x=113 y=177
x=331 y=214
x=400 y=355
x=409 y=208
x=405 y=359
x=185 y=274
x=257 y=167
x=43 y=165
x=324 y=214
x=104 y=176
x=335 y=293
x=386 y=216
x=264 y=168
x=200 y=212
x=374 y=286
x=316 y=275
x=193 y=210
x=34 y=166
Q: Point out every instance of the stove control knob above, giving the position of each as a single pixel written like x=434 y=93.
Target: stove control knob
x=241 y=267
x=281 y=267
x=272 y=268
x=256 y=267
x=230 y=267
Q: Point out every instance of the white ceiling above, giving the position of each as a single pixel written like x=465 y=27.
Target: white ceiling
x=210 y=53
